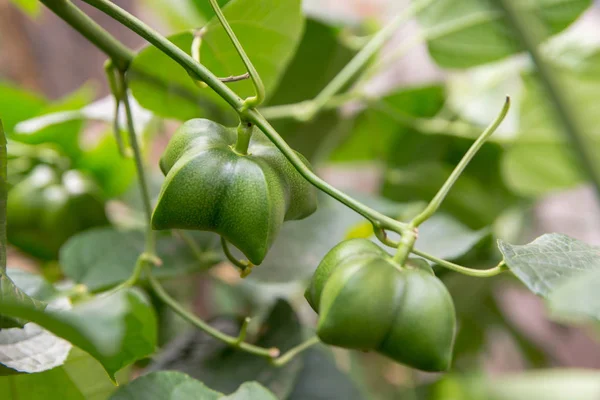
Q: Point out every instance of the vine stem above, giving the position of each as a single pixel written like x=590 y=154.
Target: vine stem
x=93 y=32
x=3 y=198
x=554 y=96
x=478 y=273
x=259 y=87
x=233 y=341
x=115 y=89
x=252 y=115
x=437 y=200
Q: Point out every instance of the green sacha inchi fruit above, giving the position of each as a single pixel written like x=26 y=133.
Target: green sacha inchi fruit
x=49 y=206
x=243 y=197
x=367 y=301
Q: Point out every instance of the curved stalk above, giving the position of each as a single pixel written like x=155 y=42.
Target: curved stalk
x=259 y=87
x=437 y=200
x=478 y=273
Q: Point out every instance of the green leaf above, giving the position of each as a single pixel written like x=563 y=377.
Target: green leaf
x=549 y=261
x=10 y=293
x=32 y=349
x=18 y=105
x=79 y=378
x=165 y=385
x=466 y=33
x=251 y=391
x=447 y=238
x=320 y=379
x=116 y=328
x=563 y=270
x=304 y=79
x=164 y=87
x=64 y=134
x=224 y=368
x=104 y=257
x=391 y=135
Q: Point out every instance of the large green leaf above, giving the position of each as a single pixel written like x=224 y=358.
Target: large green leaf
x=103 y=257
x=164 y=87
x=116 y=328
x=563 y=270
x=79 y=378
x=224 y=368
x=165 y=385
x=465 y=33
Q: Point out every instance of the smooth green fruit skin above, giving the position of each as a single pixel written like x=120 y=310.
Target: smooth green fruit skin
x=244 y=198
x=367 y=302
x=47 y=208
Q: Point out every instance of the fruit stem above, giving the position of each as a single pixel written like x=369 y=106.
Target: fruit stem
x=478 y=273
x=294 y=351
x=244 y=134
x=405 y=246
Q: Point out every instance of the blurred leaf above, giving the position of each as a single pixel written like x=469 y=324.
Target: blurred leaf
x=301 y=245
x=304 y=79
x=469 y=201
x=447 y=238
x=79 y=378
x=10 y=293
x=465 y=33
x=116 y=328
x=165 y=385
x=546 y=385
x=32 y=349
x=113 y=173
x=320 y=379
x=31 y=7
x=18 y=105
x=164 y=87
x=205 y=9
x=563 y=270
x=541 y=160
x=224 y=368
x=64 y=134
x=379 y=136
x=104 y=257
x=251 y=391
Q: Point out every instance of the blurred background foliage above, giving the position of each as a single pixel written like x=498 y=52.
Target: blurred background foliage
x=422 y=101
